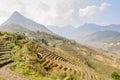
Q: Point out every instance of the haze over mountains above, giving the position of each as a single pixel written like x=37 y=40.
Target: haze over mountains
x=83 y=30
x=104 y=36
x=17 y=19
x=92 y=35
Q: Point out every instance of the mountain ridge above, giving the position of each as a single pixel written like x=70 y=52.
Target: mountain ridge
x=19 y=19
x=107 y=35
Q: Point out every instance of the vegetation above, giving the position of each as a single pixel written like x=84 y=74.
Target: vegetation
x=25 y=58
x=62 y=59
x=115 y=76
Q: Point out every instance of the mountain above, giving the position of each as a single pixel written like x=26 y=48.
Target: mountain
x=94 y=27
x=82 y=31
x=18 y=19
x=87 y=29
x=104 y=36
x=105 y=40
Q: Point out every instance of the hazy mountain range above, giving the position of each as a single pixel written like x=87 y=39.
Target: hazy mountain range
x=104 y=36
x=82 y=31
x=92 y=35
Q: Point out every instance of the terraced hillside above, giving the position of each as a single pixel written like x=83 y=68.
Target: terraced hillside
x=5 y=61
x=5 y=55
x=64 y=61
x=60 y=64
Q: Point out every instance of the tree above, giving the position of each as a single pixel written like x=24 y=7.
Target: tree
x=44 y=41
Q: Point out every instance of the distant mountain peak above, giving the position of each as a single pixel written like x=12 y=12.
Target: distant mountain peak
x=16 y=13
x=18 y=19
x=90 y=24
x=16 y=16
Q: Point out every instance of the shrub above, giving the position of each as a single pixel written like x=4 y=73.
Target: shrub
x=115 y=76
x=47 y=68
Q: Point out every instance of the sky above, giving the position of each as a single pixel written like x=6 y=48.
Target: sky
x=64 y=12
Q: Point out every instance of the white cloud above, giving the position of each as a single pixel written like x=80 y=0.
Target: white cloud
x=92 y=10
x=104 y=6
x=51 y=12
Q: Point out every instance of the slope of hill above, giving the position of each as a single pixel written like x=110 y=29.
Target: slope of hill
x=63 y=57
x=18 y=19
x=14 y=28
x=106 y=40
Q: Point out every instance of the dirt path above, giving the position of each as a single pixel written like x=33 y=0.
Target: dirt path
x=5 y=73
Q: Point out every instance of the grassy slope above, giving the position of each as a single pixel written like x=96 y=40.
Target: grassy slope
x=28 y=64
x=26 y=61
x=76 y=53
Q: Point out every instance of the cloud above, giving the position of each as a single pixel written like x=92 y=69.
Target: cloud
x=92 y=10
x=52 y=12
x=104 y=6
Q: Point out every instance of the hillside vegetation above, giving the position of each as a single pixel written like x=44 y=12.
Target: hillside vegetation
x=62 y=59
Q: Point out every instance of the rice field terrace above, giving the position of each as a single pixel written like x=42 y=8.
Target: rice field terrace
x=32 y=60
x=5 y=55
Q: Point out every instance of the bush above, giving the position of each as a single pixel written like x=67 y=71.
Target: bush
x=47 y=68
x=115 y=76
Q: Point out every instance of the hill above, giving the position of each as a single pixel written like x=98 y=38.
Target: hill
x=105 y=40
x=61 y=59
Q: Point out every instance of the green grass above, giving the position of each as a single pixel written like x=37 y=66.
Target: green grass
x=22 y=69
x=102 y=68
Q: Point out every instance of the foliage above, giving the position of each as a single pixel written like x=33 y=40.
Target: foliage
x=22 y=68
x=115 y=76
x=44 y=41
x=47 y=68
